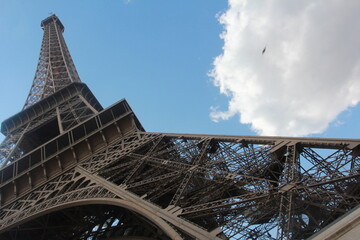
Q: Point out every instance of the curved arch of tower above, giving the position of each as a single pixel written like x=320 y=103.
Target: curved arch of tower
x=71 y=169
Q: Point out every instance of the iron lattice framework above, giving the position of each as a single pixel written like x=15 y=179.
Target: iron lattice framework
x=78 y=171
x=55 y=69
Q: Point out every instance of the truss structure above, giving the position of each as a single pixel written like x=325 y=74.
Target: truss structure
x=55 y=68
x=55 y=71
x=78 y=171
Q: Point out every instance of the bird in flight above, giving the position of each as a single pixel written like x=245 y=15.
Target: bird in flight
x=263 y=51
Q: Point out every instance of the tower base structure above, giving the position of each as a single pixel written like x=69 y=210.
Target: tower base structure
x=106 y=178
x=73 y=170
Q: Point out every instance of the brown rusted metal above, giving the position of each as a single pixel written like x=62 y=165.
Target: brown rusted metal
x=73 y=170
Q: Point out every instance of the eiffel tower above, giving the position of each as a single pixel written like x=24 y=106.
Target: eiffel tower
x=72 y=169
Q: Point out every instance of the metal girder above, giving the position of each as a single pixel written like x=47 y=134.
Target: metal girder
x=249 y=177
x=72 y=170
x=234 y=181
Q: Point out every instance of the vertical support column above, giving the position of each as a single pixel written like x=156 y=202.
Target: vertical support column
x=29 y=179
x=289 y=178
x=61 y=129
x=15 y=188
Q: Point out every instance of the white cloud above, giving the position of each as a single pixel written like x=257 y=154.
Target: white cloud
x=309 y=73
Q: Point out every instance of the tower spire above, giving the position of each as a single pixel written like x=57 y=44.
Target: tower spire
x=55 y=68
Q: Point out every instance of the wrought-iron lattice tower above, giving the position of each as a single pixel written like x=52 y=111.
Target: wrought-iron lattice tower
x=73 y=170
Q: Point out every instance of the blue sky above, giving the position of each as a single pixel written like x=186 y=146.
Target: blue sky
x=157 y=54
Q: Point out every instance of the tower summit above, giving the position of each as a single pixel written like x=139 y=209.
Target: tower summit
x=55 y=71
x=73 y=170
x=55 y=68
